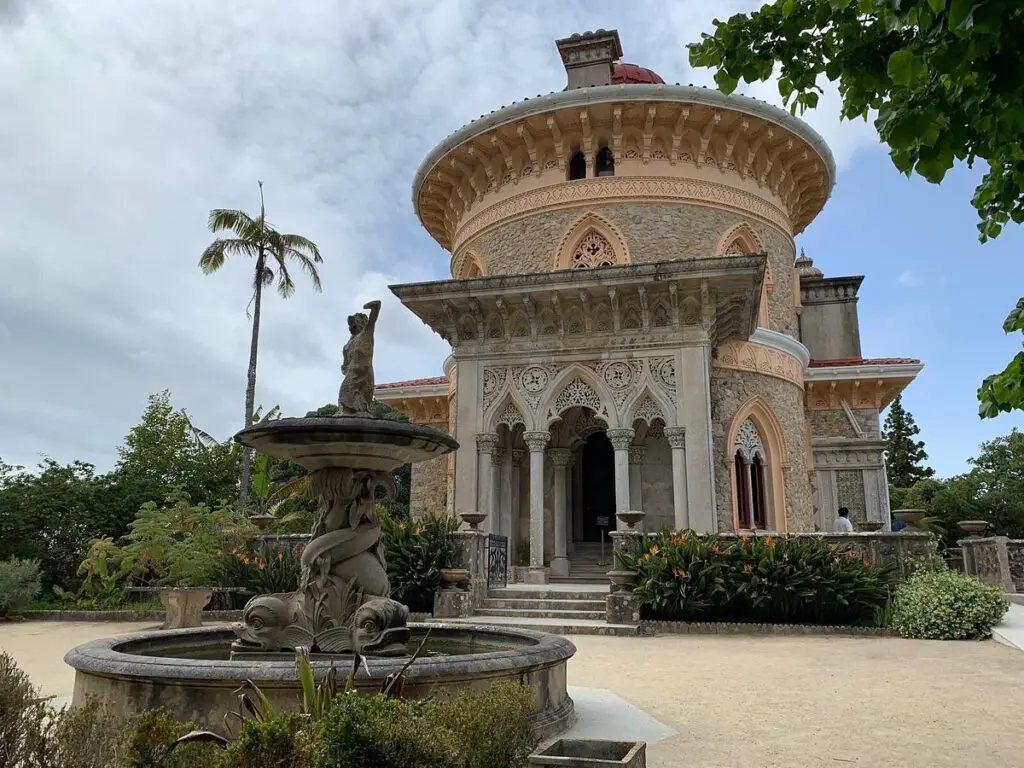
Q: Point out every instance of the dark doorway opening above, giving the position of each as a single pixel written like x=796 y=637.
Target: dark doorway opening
x=598 y=486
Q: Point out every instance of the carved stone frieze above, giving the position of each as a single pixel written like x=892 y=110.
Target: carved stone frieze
x=757 y=358
x=663 y=373
x=492 y=382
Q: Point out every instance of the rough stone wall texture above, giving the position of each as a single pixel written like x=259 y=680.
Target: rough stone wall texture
x=1015 y=555
x=729 y=391
x=656 y=484
x=428 y=494
x=653 y=232
x=850 y=488
x=836 y=423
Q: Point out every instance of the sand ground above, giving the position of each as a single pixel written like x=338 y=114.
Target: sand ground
x=748 y=702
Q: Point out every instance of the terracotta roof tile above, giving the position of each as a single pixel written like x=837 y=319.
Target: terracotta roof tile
x=851 y=361
x=414 y=383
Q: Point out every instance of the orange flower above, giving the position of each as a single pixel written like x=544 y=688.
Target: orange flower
x=744 y=537
x=769 y=541
x=418 y=531
x=654 y=550
x=245 y=559
x=748 y=568
x=220 y=553
x=234 y=551
x=280 y=556
x=401 y=526
x=680 y=573
x=866 y=563
x=261 y=565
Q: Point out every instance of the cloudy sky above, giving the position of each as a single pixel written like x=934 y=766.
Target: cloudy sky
x=121 y=130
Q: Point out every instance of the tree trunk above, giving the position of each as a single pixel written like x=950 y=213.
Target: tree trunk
x=245 y=479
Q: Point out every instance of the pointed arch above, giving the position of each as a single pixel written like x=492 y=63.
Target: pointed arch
x=773 y=455
x=646 y=405
x=508 y=409
x=468 y=263
x=576 y=385
x=740 y=238
x=606 y=242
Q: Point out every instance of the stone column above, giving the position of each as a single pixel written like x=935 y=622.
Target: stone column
x=677 y=442
x=621 y=440
x=637 y=453
x=570 y=505
x=559 y=562
x=695 y=406
x=486 y=445
x=748 y=470
x=515 y=505
x=536 y=442
x=497 y=457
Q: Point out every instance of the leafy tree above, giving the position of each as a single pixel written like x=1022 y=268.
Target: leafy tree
x=946 y=78
x=257 y=239
x=903 y=454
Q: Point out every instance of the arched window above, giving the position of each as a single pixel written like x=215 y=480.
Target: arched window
x=577 y=166
x=605 y=164
x=751 y=478
x=593 y=250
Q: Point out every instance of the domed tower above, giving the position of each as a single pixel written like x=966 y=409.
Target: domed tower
x=624 y=307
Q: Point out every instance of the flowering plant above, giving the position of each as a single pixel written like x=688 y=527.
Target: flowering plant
x=415 y=552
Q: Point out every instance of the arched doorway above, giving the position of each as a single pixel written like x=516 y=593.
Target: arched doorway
x=598 y=476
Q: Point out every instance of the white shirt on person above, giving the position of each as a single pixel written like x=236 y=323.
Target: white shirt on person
x=843 y=525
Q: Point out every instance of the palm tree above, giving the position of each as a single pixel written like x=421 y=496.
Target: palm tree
x=271 y=250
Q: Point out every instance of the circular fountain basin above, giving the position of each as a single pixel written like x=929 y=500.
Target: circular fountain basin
x=189 y=672
x=347 y=441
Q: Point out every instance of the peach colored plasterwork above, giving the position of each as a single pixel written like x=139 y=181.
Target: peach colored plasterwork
x=756 y=358
x=627 y=189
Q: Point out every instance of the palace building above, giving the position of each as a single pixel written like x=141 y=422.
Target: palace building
x=630 y=325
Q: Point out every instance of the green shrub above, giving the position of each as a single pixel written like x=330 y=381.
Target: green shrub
x=273 y=742
x=415 y=552
x=20 y=584
x=491 y=728
x=260 y=571
x=947 y=605
x=690 y=577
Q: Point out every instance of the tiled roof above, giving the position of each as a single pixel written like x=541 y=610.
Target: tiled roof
x=414 y=383
x=850 y=361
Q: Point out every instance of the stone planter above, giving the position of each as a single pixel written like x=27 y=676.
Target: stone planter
x=870 y=526
x=473 y=519
x=973 y=528
x=910 y=516
x=184 y=606
x=580 y=753
x=624 y=580
x=455 y=578
x=631 y=517
x=262 y=522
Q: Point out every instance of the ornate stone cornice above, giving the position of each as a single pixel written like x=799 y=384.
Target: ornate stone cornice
x=847 y=453
x=642 y=189
x=682 y=125
x=431 y=409
x=753 y=357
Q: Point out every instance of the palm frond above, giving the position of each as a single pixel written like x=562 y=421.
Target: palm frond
x=308 y=266
x=239 y=222
x=290 y=489
x=302 y=244
x=203 y=439
x=213 y=257
x=285 y=284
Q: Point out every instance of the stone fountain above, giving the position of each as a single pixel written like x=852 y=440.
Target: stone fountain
x=342 y=609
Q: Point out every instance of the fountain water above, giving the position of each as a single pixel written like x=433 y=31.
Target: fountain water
x=342 y=606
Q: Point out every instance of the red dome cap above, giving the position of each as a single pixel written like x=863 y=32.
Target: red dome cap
x=623 y=74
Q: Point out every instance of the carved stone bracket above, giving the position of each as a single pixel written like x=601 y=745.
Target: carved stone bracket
x=676 y=436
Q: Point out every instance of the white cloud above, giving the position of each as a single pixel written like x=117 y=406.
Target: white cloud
x=909 y=279
x=121 y=130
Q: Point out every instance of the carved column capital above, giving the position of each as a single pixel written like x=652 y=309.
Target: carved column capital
x=637 y=454
x=536 y=441
x=486 y=442
x=620 y=438
x=517 y=457
x=676 y=436
x=560 y=456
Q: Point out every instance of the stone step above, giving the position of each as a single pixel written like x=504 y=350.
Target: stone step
x=533 y=613
x=554 y=626
x=590 y=591
x=540 y=604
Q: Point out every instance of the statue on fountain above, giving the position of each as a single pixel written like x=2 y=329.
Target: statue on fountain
x=343 y=603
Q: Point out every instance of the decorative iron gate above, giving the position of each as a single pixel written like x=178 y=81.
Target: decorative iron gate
x=497 y=560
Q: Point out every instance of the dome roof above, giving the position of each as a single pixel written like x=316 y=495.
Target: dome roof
x=805 y=267
x=624 y=74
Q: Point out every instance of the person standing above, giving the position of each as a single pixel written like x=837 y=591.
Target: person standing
x=843 y=524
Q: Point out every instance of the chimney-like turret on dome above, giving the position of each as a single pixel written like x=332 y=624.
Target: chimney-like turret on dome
x=588 y=58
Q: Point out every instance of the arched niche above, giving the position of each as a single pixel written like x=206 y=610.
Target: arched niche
x=592 y=241
x=766 y=443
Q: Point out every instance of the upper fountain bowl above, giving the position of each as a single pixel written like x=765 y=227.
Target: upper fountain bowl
x=347 y=441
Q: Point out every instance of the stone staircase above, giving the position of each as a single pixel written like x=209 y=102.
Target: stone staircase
x=585 y=565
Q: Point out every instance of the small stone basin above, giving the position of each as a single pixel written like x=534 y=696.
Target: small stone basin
x=592 y=753
x=189 y=671
x=347 y=441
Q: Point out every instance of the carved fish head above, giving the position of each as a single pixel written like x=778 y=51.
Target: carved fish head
x=378 y=628
x=265 y=620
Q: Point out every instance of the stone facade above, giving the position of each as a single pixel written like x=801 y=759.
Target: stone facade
x=730 y=390
x=428 y=494
x=850 y=486
x=837 y=423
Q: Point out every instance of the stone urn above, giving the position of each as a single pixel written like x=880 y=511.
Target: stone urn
x=473 y=519
x=630 y=517
x=910 y=516
x=624 y=580
x=455 y=578
x=184 y=606
x=262 y=521
x=870 y=526
x=973 y=528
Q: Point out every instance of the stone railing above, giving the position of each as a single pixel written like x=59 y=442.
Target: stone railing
x=1015 y=559
x=989 y=558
